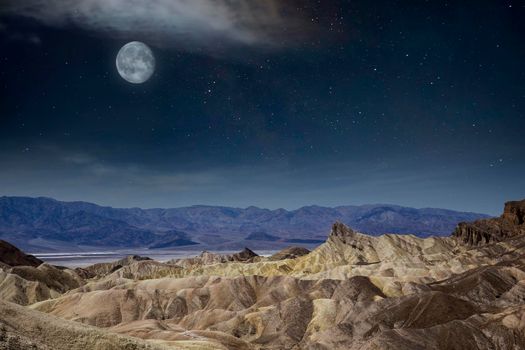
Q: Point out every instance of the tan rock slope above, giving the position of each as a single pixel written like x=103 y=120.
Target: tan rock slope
x=103 y=269
x=355 y=291
x=26 y=284
x=23 y=329
x=25 y=279
x=290 y=253
x=208 y=258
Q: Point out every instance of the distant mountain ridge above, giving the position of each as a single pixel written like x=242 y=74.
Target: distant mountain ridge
x=45 y=223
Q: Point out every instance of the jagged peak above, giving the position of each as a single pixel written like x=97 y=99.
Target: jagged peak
x=244 y=254
x=342 y=232
x=249 y=251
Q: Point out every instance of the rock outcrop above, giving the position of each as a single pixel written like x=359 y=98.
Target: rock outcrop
x=207 y=258
x=480 y=232
x=103 y=269
x=290 y=253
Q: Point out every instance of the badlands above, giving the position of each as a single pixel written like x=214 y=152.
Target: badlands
x=465 y=291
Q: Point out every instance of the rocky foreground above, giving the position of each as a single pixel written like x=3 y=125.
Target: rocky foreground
x=466 y=291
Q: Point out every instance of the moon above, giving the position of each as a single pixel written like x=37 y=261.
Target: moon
x=135 y=62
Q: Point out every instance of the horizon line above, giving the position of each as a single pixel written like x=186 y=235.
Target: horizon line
x=243 y=208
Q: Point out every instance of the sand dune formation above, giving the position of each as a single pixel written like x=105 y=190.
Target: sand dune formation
x=465 y=291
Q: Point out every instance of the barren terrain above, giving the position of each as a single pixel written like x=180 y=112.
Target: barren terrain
x=355 y=291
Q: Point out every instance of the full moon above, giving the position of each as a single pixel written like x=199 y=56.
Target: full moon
x=135 y=62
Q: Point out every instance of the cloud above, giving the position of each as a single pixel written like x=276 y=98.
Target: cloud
x=195 y=25
x=29 y=38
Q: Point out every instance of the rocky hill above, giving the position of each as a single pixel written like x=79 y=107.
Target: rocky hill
x=510 y=224
x=12 y=256
x=39 y=224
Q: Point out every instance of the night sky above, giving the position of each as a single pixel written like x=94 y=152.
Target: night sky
x=266 y=103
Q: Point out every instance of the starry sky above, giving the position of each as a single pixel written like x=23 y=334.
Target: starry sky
x=266 y=103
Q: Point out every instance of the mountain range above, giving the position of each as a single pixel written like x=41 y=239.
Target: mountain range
x=45 y=224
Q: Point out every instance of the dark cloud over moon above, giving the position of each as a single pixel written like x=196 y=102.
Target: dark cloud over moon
x=209 y=25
